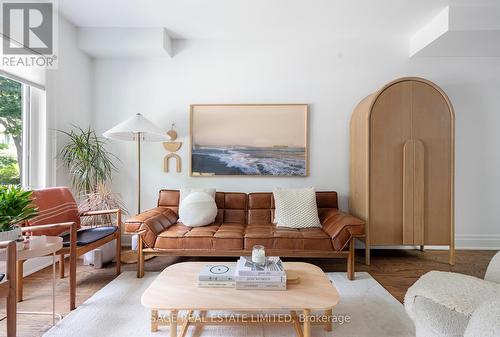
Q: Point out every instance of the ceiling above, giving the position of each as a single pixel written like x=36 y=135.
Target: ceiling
x=232 y=19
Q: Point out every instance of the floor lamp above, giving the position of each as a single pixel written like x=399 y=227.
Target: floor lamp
x=138 y=129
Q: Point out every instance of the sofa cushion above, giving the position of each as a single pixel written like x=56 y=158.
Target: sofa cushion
x=205 y=231
x=296 y=208
x=227 y=236
x=231 y=207
x=283 y=238
x=169 y=199
x=185 y=192
x=261 y=206
x=198 y=209
x=89 y=235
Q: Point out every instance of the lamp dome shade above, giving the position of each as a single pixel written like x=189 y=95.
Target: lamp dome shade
x=128 y=130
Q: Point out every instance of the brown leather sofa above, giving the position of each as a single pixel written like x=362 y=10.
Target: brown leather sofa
x=244 y=220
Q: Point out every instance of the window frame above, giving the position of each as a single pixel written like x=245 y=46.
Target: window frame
x=25 y=171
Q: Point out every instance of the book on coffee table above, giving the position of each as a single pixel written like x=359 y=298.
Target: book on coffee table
x=216 y=284
x=251 y=276
x=216 y=276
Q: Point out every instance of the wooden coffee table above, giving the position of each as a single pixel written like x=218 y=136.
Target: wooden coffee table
x=176 y=289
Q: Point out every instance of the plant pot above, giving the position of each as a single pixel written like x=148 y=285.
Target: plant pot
x=13 y=234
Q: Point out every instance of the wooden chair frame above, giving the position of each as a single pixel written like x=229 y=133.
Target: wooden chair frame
x=80 y=250
x=75 y=251
x=8 y=287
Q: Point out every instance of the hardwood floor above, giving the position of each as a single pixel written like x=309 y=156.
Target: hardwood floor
x=395 y=270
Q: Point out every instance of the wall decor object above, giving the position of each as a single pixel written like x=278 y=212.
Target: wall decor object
x=172 y=146
x=402 y=165
x=249 y=140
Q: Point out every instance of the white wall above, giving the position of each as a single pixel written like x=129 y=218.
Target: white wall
x=331 y=76
x=70 y=96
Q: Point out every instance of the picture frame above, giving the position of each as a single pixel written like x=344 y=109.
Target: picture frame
x=255 y=140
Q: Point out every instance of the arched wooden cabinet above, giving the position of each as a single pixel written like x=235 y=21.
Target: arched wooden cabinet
x=402 y=165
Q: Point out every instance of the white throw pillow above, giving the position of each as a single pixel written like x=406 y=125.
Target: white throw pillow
x=198 y=209
x=296 y=208
x=184 y=192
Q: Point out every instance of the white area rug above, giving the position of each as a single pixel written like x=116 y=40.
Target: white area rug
x=116 y=310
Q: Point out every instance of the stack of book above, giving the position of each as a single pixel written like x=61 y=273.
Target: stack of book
x=216 y=276
x=270 y=276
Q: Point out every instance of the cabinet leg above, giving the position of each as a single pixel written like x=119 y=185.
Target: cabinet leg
x=452 y=256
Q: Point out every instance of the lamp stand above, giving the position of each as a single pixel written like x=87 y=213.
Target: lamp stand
x=138 y=172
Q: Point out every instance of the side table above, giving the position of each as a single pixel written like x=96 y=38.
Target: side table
x=54 y=243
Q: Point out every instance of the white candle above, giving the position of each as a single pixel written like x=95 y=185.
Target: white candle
x=258 y=255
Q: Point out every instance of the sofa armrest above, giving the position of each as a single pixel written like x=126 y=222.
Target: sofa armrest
x=151 y=223
x=133 y=224
x=342 y=227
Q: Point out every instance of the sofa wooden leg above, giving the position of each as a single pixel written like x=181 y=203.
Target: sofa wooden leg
x=350 y=260
x=61 y=266
x=140 y=258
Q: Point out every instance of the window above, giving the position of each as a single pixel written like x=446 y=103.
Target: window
x=14 y=122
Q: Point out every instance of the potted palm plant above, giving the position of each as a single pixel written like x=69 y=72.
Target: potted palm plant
x=91 y=167
x=16 y=206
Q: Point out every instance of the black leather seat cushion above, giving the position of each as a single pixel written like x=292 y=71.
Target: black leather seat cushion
x=88 y=235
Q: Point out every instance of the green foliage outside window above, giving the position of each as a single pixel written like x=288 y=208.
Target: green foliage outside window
x=11 y=118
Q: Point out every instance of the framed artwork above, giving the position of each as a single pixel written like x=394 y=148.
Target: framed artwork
x=249 y=140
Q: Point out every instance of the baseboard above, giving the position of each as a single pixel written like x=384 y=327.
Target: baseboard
x=462 y=241
x=478 y=241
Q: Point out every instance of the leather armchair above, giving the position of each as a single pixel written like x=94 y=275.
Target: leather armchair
x=57 y=211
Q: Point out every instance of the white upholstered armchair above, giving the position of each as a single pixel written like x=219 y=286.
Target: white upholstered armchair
x=444 y=304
